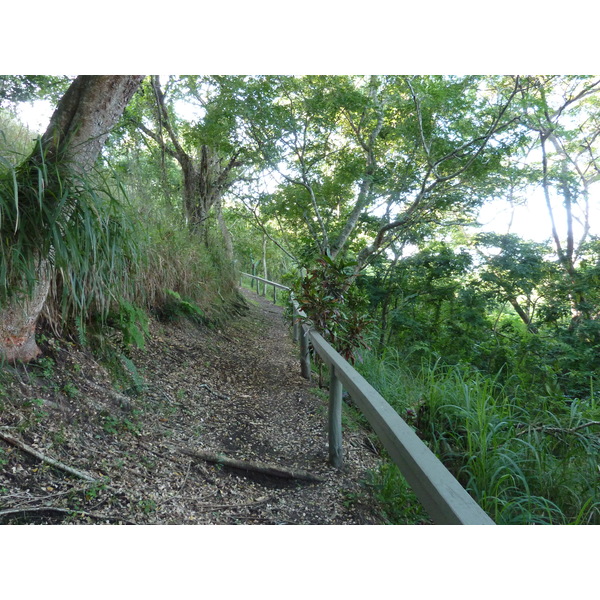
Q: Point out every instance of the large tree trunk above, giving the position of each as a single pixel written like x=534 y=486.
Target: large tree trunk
x=227 y=238
x=19 y=317
x=205 y=178
x=78 y=129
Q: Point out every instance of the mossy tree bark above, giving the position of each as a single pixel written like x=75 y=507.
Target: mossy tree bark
x=75 y=136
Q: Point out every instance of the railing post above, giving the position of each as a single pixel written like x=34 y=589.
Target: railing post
x=335 y=420
x=274 y=295
x=305 y=370
x=295 y=323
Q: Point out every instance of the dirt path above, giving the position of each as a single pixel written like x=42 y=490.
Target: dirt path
x=235 y=390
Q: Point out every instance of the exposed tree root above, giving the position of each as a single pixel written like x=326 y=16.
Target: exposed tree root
x=267 y=469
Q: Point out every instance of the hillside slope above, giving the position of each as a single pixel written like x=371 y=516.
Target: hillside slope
x=234 y=390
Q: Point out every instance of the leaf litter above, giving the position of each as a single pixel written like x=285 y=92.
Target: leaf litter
x=234 y=390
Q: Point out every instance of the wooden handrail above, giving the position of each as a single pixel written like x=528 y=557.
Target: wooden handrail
x=442 y=496
x=276 y=285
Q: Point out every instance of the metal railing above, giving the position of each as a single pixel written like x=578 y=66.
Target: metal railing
x=442 y=496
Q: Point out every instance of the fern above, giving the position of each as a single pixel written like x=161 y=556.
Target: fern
x=132 y=322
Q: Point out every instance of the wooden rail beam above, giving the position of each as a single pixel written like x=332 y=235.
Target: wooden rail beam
x=442 y=496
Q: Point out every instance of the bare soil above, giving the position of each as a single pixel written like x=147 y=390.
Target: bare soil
x=235 y=390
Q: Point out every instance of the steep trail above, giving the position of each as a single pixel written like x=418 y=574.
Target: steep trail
x=254 y=405
x=234 y=390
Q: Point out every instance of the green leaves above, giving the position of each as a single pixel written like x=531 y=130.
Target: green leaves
x=520 y=266
x=175 y=307
x=131 y=321
x=335 y=307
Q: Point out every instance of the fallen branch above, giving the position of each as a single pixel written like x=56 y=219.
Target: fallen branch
x=51 y=461
x=267 y=469
x=56 y=509
x=33 y=499
x=221 y=396
x=584 y=425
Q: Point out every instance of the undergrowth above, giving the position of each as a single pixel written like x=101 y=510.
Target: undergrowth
x=523 y=462
x=118 y=252
x=399 y=504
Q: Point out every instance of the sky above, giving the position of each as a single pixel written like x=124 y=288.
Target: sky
x=532 y=221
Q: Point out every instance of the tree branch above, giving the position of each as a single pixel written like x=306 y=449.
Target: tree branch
x=51 y=461
x=156 y=137
x=264 y=230
x=427 y=188
x=546 y=189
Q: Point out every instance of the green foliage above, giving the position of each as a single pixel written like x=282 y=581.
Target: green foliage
x=22 y=88
x=115 y=243
x=80 y=223
x=523 y=461
x=175 y=263
x=523 y=464
x=131 y=321
x=176 y=307
x=492 y=342
x=400 y=505
x=46 y=365
x=336 y=309
x=518 y=268
x=389 y=373
x=115 y=425
x=16 y=142
x=147 y=506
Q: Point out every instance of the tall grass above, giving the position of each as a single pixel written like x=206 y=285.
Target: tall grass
x=108 y=250
x=74 y=224
x=391 y=376
x=522 y=463
x=176 y=261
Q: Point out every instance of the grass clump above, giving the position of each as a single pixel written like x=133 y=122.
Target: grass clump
x=523 y=462
x=176 y=307
x=399 y=504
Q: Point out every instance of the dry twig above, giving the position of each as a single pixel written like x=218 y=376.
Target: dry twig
x=221 y=396
x=51 y=461
x=65 y=511
x=554 y=430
